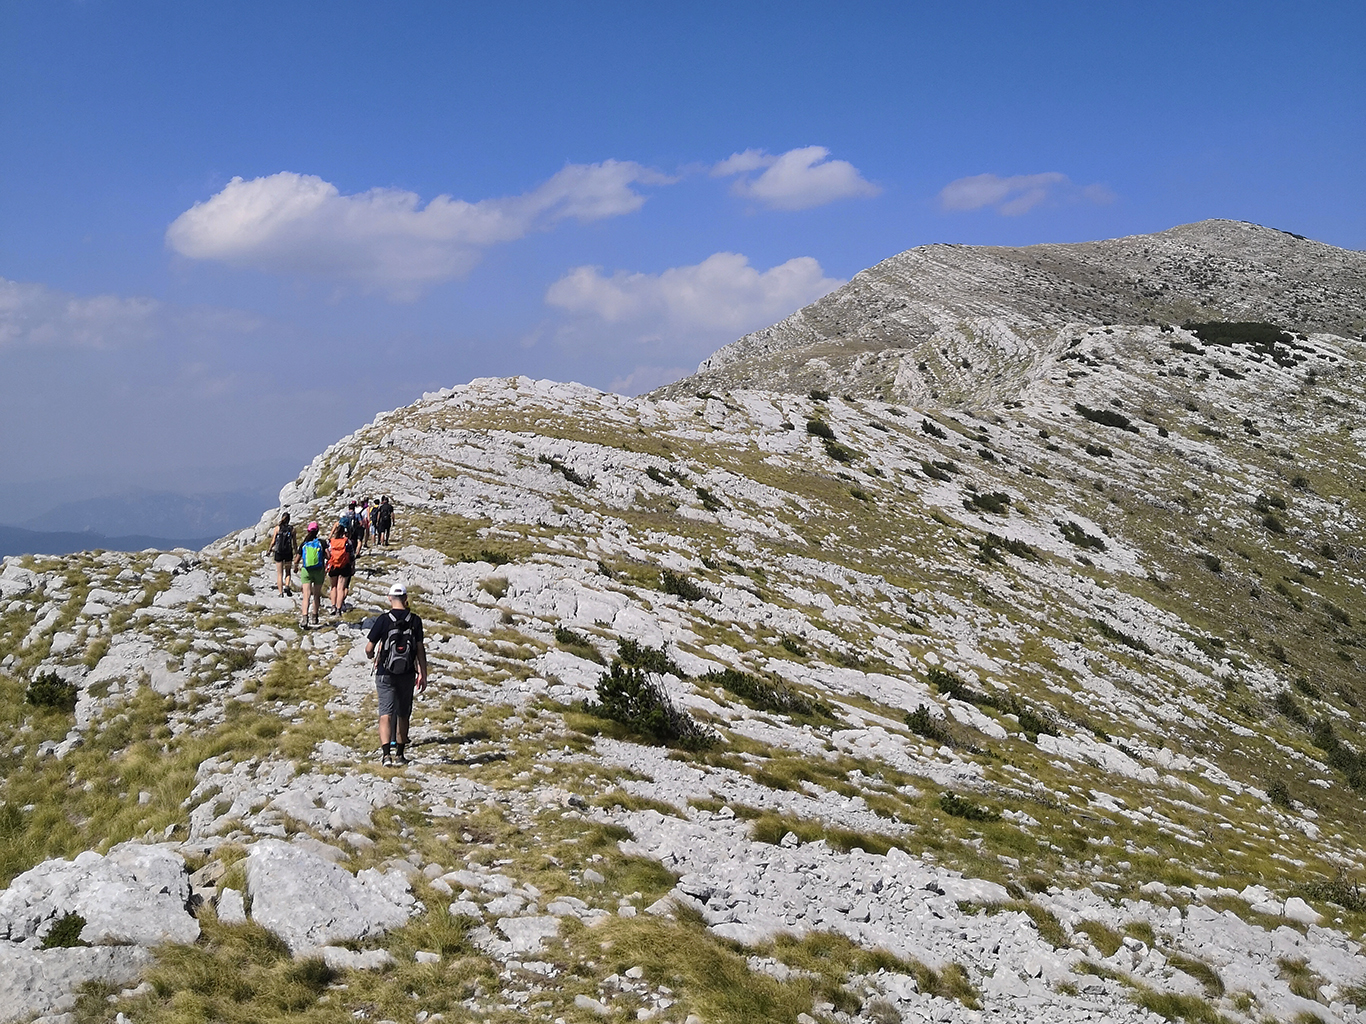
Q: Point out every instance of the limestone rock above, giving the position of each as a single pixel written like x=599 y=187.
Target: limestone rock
x=310 y=902
x=136 y=895
x=44 y=981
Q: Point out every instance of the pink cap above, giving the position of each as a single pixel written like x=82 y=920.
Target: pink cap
x=312 y=526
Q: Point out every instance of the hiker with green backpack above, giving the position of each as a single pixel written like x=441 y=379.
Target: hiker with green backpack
x=311 y=563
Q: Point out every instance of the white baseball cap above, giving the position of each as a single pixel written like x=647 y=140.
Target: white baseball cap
x=398 y=590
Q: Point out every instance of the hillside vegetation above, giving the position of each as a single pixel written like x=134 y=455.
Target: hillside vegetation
x=754 y=704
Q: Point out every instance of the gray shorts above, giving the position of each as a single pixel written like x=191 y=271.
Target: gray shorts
x=395 y=694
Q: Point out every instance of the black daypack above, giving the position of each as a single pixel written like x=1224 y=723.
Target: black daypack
x=399 y=657
x=284 y=543
x=383 y=517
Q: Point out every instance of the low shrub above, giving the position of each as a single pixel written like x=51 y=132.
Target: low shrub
x=933 y=430
x=629 y=696
x=1074 y=533
x=922 y=723
x=568 y=472
x=651 y=659
x=992 y=544
x=1278 y=793
x=487 y=555
x=1340 y=755
x=817 y=395
x=1099 y=451
x=577 y=644
x=959 y=807
x=50 y=691
x=1119 y=636
x=1286 y=704
x=680 y=586
x=933 y=471
x=838 y=452
x=819 y=428
x=658 y=477
x=710 y=502
x=1106 y=417
x=768 y=694
x=993 y=502
x=66 y=933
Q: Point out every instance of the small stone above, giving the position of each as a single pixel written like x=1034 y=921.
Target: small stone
x=593 y=877
x=584 y=1002
x=789 y=840
x=424 y=956
x=635 y=973
x=231 y=907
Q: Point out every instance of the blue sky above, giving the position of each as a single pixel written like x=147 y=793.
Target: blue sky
x=603 y=192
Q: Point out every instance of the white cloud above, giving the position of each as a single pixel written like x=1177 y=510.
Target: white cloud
x=647 y=378
x=34 y=314
x=723 y=295
x=1017 y=194
x=300 y=224
x=796 y=180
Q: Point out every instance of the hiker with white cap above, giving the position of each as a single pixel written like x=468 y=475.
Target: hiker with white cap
x=395 y=642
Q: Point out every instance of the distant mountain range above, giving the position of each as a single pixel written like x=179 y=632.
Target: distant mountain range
x=135 y=520
x=15 y=540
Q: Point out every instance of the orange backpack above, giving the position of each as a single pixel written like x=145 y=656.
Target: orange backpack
x=339 y=554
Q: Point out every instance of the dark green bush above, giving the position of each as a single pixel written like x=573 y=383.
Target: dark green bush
x=50 y=691
x=952 y=803
x=1286 y=704
x=709 y=501
x=817 y=395
x=651 y=659
x=658 y=477
x=768 y=694
x=565 y=471
x=932 y=429
x=1278 y=793
x=1271 y=524
x=680 y=586
x=1119 y=636
x=1340 y=755
x=1106 y=417
x=922 y=723
x=838 y=452
x=1074 y=533
x=1099 y=451
x=792 y=644
x=819 y=428
x=993 y=502
x=932 y=470
x=487 y=555
x=992 y=544
x=66 y=933
x=1212 y=562
x=629 y=696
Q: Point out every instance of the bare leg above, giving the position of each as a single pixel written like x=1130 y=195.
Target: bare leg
x=386 y=729
x=279 y=577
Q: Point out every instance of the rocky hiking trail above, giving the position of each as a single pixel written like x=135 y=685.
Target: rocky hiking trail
x=1040 y=712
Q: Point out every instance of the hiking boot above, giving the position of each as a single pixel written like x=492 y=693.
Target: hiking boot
x=400 y=758
x=303 y=623
x=386 y=760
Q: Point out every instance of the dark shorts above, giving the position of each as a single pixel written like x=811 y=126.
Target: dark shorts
x=395 y=694
x=284 y=558
x=346 y=573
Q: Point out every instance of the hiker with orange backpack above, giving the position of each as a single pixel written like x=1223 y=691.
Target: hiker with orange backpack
x=341 y=566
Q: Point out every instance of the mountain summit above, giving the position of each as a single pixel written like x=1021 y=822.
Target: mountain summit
x=1036 y=701
x=971 y=324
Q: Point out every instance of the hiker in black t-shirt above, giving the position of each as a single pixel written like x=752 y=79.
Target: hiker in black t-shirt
x=384 y=520
x=395 y=642
x=282 y=549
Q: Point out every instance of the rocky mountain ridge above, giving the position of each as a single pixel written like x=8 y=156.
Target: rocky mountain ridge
x=1042 y=710
x=973 y=324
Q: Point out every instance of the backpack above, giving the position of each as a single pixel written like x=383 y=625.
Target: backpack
x=400 y=647
x=383 y=516
x=312 y=553
x=284 y=543
x=339 y=554
x=345 y=523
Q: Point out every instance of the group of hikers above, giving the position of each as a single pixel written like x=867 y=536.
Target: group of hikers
x=394 y=639
x=328 y=558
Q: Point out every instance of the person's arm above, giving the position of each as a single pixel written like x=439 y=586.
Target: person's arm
x=421 y=665
x=270 y=544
